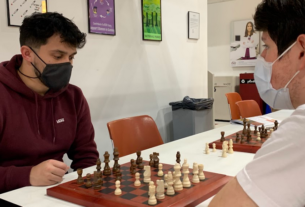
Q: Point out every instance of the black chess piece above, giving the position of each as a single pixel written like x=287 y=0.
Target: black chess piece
x=141 y=165
x=255 y=130
x=98 y=165
x=178 y=157
x=237 y=137
x=133 y=166
x=151 y=162
x=156 y=160
x=107 y=170
x=222 y=139
x=138 y=157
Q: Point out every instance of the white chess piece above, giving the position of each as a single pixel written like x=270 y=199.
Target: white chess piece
x=224 y=149
x=117 y=191
x=151 y=183
x=258 y=136
x=185 y=169
x=160 y=172
x=214 y=147
x=227 y=146
x=207 y=149
x=152 y=195
x=178 y=184
x=170 y=190
x=137 y=182
x=147 y=174
x=165 y=180
x=231 y=147
x=160 y=189
x=201 y=174
x=195 y=173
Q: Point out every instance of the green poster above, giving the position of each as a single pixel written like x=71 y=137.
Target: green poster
x=151 y=20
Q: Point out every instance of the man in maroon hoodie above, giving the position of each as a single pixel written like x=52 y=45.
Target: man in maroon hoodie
x=42 y=116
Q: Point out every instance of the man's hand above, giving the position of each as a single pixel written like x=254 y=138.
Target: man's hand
x=48 y=172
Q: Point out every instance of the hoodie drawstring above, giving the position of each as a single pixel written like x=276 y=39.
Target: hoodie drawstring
x=53 y=121
x=37 y=122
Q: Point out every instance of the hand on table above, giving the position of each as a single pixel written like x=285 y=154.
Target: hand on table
x=48 y=172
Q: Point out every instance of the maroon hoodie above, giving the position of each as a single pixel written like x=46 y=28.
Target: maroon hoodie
x=35 y=128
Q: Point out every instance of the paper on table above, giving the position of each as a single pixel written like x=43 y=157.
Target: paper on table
x=267 y=121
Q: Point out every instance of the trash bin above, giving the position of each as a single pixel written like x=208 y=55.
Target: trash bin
x=192 y=116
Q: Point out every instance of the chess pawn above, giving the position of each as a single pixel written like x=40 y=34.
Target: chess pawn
x=237 y=137
x=152 y=195
x=224 y=150
x=160 y=172
x=160 y=189
x=207 y=149
x=88 y=183
x=165 y=180
x=178 y=157
x=147 y=174
x=185 y=169
x=231 y=147
x=117 y=191
x=258 y=136
x=195 y=173
x=80 y=180
x=222 y=136
x=214 y=147
x=227 y=146
x=98 y=165
x=141 y=165
x=151 y=183
x=138 y=157
x=137 y=182
x=170 y=190
x=178 y=184
x=133 y=167
x=201 y=174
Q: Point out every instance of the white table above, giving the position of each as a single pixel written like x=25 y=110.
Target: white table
x=191 y=148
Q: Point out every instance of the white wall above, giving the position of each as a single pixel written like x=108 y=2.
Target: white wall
x=220 y=19
x=123 y=76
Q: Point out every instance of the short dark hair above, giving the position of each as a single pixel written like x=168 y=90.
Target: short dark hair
x=39 y=27
x=284 y=20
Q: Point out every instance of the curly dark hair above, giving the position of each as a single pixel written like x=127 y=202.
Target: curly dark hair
x=39 y=27
x=284 y=20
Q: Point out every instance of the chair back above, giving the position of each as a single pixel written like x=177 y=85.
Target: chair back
x=134 y=134
x=248 y=108
x=232 y=99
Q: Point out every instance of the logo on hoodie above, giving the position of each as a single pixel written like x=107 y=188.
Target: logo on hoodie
x=58 y=121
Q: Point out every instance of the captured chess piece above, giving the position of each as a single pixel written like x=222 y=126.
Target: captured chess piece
x=117 y=191
x=222 y=136
x=88 y=183
x=80 y=180
x=178 y=157
x=276 y=124
x=133 y=166
x=207 y=148
x=214 y=147
x=137 y=182
x=107 y=170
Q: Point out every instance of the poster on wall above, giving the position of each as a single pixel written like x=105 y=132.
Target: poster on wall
x=101 y=17
x=193 y=25
x=244 y=46
x=151 y=20
x=17 y=10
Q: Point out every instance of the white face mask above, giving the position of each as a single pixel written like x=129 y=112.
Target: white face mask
x=277 y=99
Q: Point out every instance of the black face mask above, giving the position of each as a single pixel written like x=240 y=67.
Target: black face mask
x=54 y=76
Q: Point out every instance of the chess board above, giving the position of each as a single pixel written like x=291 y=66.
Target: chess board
x=138 y=196
x=250 y=147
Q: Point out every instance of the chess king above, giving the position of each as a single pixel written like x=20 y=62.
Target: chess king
x=42 y=116
x=280 y=79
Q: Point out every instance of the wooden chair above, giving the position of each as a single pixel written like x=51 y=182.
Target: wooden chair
x=232 y=99
x=248 y=108
x=134 y=134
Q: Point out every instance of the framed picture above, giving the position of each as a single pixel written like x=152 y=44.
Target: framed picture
x=151 y=20
x=193 y=25
x=18 y=9
x=244 y=46
x=101 y=17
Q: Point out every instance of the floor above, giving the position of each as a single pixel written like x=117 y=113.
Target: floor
x=221 y=123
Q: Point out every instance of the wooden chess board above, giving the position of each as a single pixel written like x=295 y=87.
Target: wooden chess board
x=251 y=146
x=138 y=196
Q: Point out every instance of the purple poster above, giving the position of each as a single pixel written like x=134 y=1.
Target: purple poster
x=101 y=17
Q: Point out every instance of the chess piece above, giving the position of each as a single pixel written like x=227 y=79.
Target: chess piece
x=276 y=123
x=138 y=157
x=147 y=174
x=96 y=183
x=165 y=181
x=170 y=190
x=152 y=195
x=118 y=176
x=116 y=160
x=231 y=147
x=266 y=133
x=133 y=167
x=178 y=184
x=271 y=131
x=160 y=172
x=98 y=165
x=137 y=182
x=207 y=149
x=237 y=137
x=117 y=191
x=263 y=132
x=195 y=173
x=185 y=170
x=245 y=129
x=178 y=157
x=141 y=165
x=214 y=147
x=201 y=174
x=258 y=136
x=151 y=162
x=224 y=149
x=248 y=125
x=160 y=189
x=249 y=138
x=156 y=159
x=151 y=183
x=80 y=180
x=107 y=170
x=222 y=136
x=88 y=183
x=255 y=130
